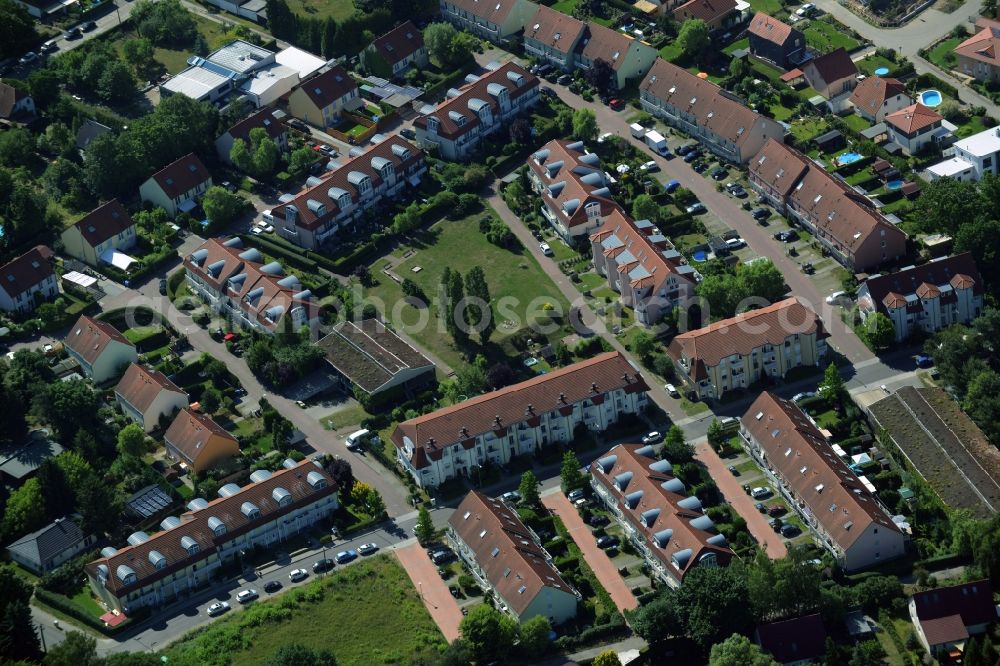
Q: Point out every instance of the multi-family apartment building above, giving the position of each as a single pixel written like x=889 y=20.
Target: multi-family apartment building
x=239 y=285
x=198 y=442
x=925 y=298
x=844 y=222
x=573 y=186
x=846 y=518
x=554 y=37
x=517 y=420
x=505 y=557
x=315 y=215
x=643 y=266
x=484 y=106
x=498 y=21
x=153 y=570
x=708 y=113
x=106 y=228
x=177 y=186
x=737 y=352
x=665 y=524
x=23 y=277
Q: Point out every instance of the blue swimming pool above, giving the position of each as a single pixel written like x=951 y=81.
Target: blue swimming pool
x=699 y=255
x=881 y=71
x=893 y=185
x=930 y=98
x=848 y=158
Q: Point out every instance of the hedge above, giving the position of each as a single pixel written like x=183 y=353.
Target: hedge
x=945 y=561
x=294 y=258
x=592 y=635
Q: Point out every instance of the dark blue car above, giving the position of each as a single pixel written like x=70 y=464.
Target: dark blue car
x=672 y=185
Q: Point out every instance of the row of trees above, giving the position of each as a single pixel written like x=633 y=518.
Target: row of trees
x=466 y=306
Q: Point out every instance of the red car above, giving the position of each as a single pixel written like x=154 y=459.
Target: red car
x=616 y=104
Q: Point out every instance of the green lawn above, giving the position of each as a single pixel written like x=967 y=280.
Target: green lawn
x=566 y=6
x=827 y=37
x=856 y=122
x=348 y=416
x=175 y=60
x=592 y=281
x=772 y=7
x=515 y=277
x=671 y=52
x=973 y=125
x=85 y=600
x=737 y=45
x=368 y=613
x=809 y=128
x=336 y=9
x=942 y=56
x=869 y=64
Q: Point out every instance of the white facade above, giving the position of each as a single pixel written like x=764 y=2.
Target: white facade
x=165 y=403
x=971 y=157
x=108 y=364
x=25 y=300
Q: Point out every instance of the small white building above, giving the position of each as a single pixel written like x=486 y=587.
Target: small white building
x=52 y=546
x=971 y=157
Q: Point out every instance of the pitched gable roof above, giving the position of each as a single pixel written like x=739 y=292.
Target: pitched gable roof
x=984 y=46
x=601 y=42
x=399 y=43
x=769 y=28
x=140 y=386
x=672 y=524
x=190 y=430
x=9 y=97
x=55 y=538
x=182 y=175
x=815 y=475
x=326 y=88
x=514 y=564
x=104 y=222
x=830 y=67
x=971 y=602
x=573 y=178
x=801 y=638
x=554 y=29
x=706 y=10
x=22 y=273
x=369 y=354
x=90 y=337
x=491 y=11
x=947 y=274
x=913 y=118
x=263 y=119
x=873 y=92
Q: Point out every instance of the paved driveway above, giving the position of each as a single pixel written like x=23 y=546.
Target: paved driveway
x=732 y=490
x=440 y=604
x=603 y=567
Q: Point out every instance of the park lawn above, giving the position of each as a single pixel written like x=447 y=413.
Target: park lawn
x=459 y=245
x=826 y=37
x=368 y=613
x=942 y=56
x=321 y=9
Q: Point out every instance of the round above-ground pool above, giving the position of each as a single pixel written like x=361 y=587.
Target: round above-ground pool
x=881 y=71
x=894 y=185
x=699 y=255
x=848 y=158
x=930 y=98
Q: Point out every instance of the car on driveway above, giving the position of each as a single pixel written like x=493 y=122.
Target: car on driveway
x=564 y=80
x=761 y=214
x=684 y=150
x=598 y=519
x=735 y=243
x=786 y=236
x=696 y=207
x=607 y=541
x=272 y=586
x=616 y=104
x=511 y=497
x=650 y=166
x=672 y=185
x=692 y=156
x=345 y=556
x=295 y=575
x=88 y=26
x=738 y=192
x=776 y=510
x=322 y=566
x=548 y=91
x=367 y=549
x=760 y=507
x=48 y=47
x=719 y=174
x=546 y=250
x=808 y=268
x=408 y=134
x=803 y=395
x=671 y=390
x=653 y=437
x=218 y=608
x=163 y=287
x=700 y=167
x=789 y=531
x=732 y=470
x=575 y=495
x=246 y=596
x=442 y=556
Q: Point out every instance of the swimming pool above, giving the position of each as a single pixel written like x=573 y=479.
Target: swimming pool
x=930 y=98
x=848 y=158
x=699 y=255
x=894 y=185
x=881 y=71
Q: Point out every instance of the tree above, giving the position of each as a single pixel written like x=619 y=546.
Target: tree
x=132 y=441
x=607 y=658
x=572 y=477
x=116 y=85
x=659 y=619
x=438 y=38
x=762 y=279
x=947 y=204
x=240 y=155
x=489 y=632
x=68 y=406
x=17 y=29
x=878 y=592
x=98 y=504
x=675 y=449
x=211 y=398
x=45 y=87
x=601 y=75
x=644 y=208
x=295 y=654
x=737 y=650
x=528 y=488
x=499 y=375
x=424 y=530
x=643 y=345
x=456 y=322
x=300 y=161
x=55 y=489
x=520 y=131
x=831 y=388
x=76 y=649
x=879 y=331
x=982 y=403
x=341 y=472
x=867 y=653
x=716 y=434
x=535 y=636
x=979 y=239
x=500 y=235
x=222 y=207
x=25 y=509
x=16 y=147
x=328 y=42
x=584 y=125
x=479 y=311
x=713 y=603
x=18 y=637
x=164 y=23
x=693 y=38
x=265 y=153
x=139 y=53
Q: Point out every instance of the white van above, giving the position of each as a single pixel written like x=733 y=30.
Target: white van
x=758 y=492
x=638 y=131
x=266 y=217
x=356 y=439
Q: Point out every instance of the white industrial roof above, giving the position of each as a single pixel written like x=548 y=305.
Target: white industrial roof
x=306 y=63
x=79 y=279
x=950 y=167
x=985 y=143
x=241 y=57
x=195 y=82
x=272 y=75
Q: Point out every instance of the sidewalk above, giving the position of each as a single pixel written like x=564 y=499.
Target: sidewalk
x=438 y=600
x=603 y=567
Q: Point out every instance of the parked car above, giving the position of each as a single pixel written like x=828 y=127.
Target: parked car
x=455 y=592
x=218 y=608
x=577 y=494
x=73 y=32
x=511 y=497
x=607 y=541
x=672 y=185
x=650 y=166
x=786 y=236
x=349 y=555
x=546 y=250
x=88 y=26
x=776 y=510
x=719 y=173
x=598 y=519
x=789 y=531
x=322 y=566
x=272 y=586
x=367 y=549
x=760 y=492
x=732 y=470
x=803 y=395
x=761 y=214
x=246 y=596
x=28 y=58
x=163 y=287
x=692 y=156
x=548 y=91
x=806 y=10
x=807 y=268
x=295 y=575
x=653 y=437
x=299 y=125
x=696 y=207
x=408 y=134
x=924 y=361
x=564 y=80
x=48 y=47
x=760 y=507
x=616 y=104
x=671 y=390
x=700 y=167
x=684 y=150
x=738 y=192
x=439 y=556
x=735 y=243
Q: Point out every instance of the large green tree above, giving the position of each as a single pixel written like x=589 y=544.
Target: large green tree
x=644 y=208
x=982 y=402
x=17 y=29
x=75 y=649
x=222 y=207
x=659 y=619
x=713 y=601
x=480 y=311
x=584 y=125
x=879 y=331
x=737 y=650
x=68 y=406
x=535 y=637
x=528 y=488
x=831 y=388
x=571 y=476
x=693 y=38
x=675 y=448
x=489 y=632
x=18 y=636
x=164 y=23
x=424 y=531
x=947 y=204
x=132 y=441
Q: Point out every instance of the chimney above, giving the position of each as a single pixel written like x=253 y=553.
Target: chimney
x=497 y=420
x=464 y=431
x=593 y=387
x=431 y=443
x=562 y=398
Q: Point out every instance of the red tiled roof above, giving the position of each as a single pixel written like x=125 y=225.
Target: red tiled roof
x=959 y=271
x=708 y=11
x=873 y=92
x=90 y=337
x=801 y=638
x=401 y=154
x=983 y=46
x=600 y=42
x=563 y=387
x=489 y=10
x=572 y=178
x=831 y=67
x=514 y=564
x=181 y=175
x=814 y=474
x=140 y=386
x=104 y=222
x=24 y=272
x=554 y=29
x=326 y=88
x=510 y=75
x=672 y=524
x=972 y=601
x=399 y=43
x=769 y=28
x=263 y=119
x=747 y=331
x=942 y=630
x=913 y=118
x=190 y=430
